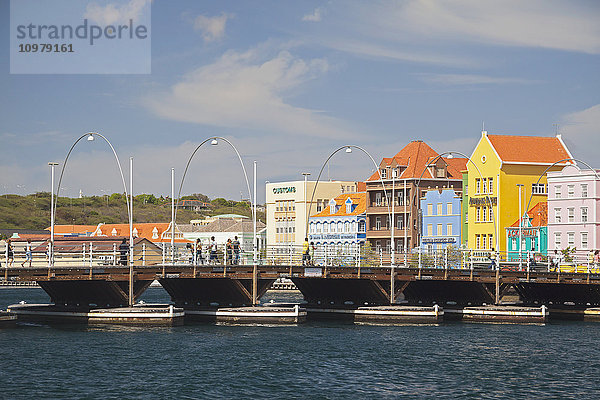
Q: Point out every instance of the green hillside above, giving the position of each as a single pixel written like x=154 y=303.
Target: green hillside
x=33 y=211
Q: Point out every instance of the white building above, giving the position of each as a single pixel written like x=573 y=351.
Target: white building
x=288 y=206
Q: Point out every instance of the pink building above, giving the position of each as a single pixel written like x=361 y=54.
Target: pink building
x=574 y=211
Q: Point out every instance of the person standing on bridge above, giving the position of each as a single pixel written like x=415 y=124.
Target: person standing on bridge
x=229 y=252
x=10 y=255
x=123 y=250
x=236 y=250
x=212 y=248
x=305 y=252
x=198 y=256
x=28 y=256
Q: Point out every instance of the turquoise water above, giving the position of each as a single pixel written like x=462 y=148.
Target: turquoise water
x=314 y=360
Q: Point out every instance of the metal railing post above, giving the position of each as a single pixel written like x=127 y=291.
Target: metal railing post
x=114 y=254
x=91 y=255
x=144 y=254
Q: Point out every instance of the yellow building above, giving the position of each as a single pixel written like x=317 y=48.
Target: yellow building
x=500 y=163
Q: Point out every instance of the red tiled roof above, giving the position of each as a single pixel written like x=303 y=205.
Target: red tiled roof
x=416 y=156
x=538 y=215
x=360 y=199
x=529 y=149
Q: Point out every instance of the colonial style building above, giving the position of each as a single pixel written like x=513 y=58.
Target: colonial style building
x=288 y=207
x=340 y=228
x=402 y=177
x=573 y=206
x=441 y=222
x=531 y=235
x=502 y=168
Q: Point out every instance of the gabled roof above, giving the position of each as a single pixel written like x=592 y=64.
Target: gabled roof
x=538 y=216
x=360 y=199
x=529 y=149
x=416 y=156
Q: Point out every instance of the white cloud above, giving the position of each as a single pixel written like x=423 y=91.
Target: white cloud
x=468 y=79
x=581 y=131
x=536 y=23
x=212 y=28
x=427 y=31
x=315 y=16
x=248 y=90
x=113 y=13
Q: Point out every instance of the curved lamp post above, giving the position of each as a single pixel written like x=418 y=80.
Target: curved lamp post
x=450 y=155
x=575 y=160
x=214 y=140
x=348 y=149
x=91 y=137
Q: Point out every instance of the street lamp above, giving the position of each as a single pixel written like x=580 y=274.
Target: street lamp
x=487 y=197
x=51 y=250
x=90 y=138
x=520 y=186
x=306 y=175
x=348 y=149
x=214 y=141
x=574 y=161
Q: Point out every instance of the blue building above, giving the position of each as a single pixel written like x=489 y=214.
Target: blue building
x=340 y=229
x=440 y=219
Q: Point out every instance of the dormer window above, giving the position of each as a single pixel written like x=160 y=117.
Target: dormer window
x=114 y=232
x=332 y=207
x=383 y=173
x=135 y=232
x=348 y=206
x=154 y=233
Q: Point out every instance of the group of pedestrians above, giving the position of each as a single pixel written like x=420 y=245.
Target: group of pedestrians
x=308 y=253
x=10 y=254
x=232 y=252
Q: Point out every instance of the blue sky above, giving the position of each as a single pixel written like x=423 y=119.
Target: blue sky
x=289 y=82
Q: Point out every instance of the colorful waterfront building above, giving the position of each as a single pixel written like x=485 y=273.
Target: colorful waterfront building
x=441 y=221
x=341 y=226
x=574 y=210
x=502 y=168
x=533 y=233
x=415 y=168
x=464 y=210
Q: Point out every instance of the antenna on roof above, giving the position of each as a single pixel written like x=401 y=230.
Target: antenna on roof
x=483 y=131
x=556 y=126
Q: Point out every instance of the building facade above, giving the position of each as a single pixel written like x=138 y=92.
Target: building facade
x=533 y=234
x=288 y=205
x=340 y=228
x=574 y=210
x=403 y=177
x=502 y=168
x=441 y=221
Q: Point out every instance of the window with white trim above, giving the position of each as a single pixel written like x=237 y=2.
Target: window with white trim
x=570 y=190
x=557 y=191
x=571 y=239
x=440 y=230
x=557 y=240
x=584 y=240
x=571 y=214
x=584 y=190
x=429 y=209
x=449 y=209
x=557 y=215
x=584 y=214
x=430 y=230
x=383 y=173
x=448 y=229
x=439 y=209
x=477 y=186
x=490 y=185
